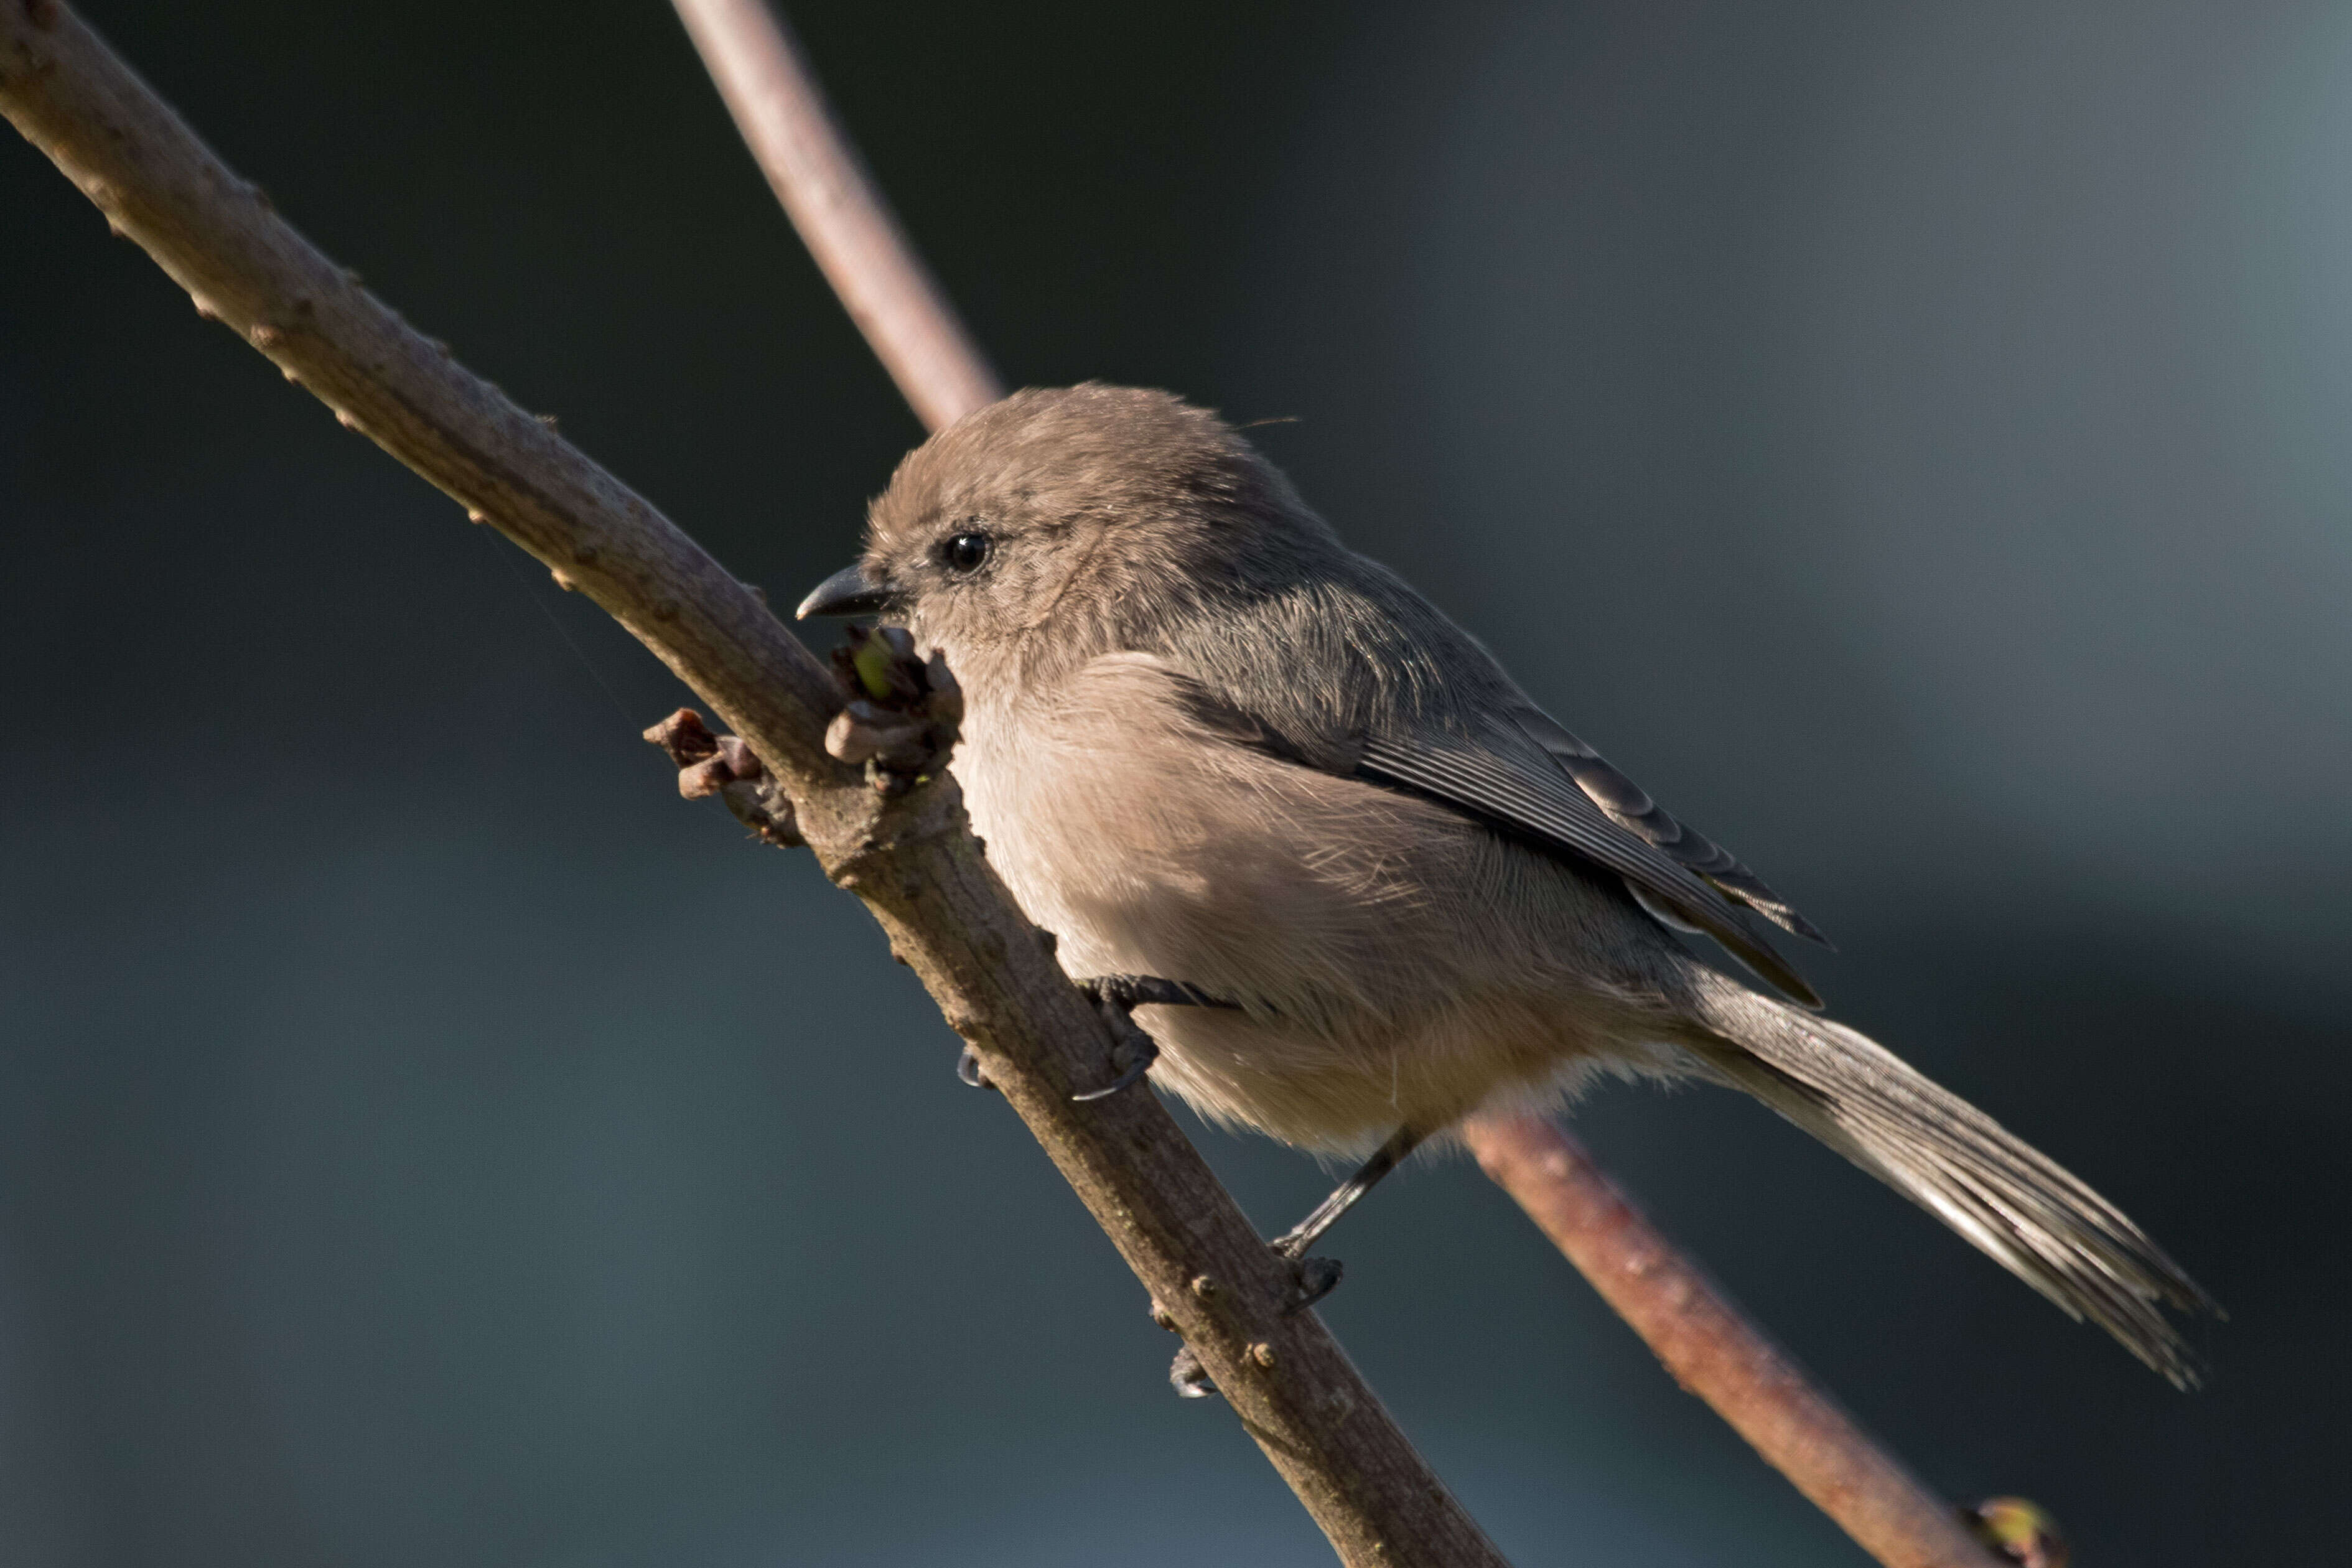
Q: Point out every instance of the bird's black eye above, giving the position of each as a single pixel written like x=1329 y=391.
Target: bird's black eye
x=965 y=552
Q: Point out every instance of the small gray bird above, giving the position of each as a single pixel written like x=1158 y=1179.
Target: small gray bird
x=1357 y=883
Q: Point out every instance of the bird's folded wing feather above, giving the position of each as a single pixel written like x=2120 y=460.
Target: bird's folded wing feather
x=1626 y=805
x=1520 y=773
x=1527 y=775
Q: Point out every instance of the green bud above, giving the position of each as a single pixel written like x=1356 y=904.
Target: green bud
x=873 y=661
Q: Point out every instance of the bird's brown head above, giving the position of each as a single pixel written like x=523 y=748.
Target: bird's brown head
x=1069 y=512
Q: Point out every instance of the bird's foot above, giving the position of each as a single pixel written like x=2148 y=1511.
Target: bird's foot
x=1132 y=991
x=968 y=1071
x=1312 y=1278
x=1319 y=1276
x=1132 y=1051
x=1188 y=1377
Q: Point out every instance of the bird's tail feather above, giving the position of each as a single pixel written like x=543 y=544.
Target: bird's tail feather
x=2016 y=1204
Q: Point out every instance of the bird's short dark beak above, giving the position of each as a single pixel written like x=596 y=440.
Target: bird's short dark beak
x=845 y=592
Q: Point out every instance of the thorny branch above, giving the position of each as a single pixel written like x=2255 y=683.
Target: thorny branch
x=909 y=854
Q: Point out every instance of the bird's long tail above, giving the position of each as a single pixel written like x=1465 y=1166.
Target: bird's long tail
x=2025 y=1211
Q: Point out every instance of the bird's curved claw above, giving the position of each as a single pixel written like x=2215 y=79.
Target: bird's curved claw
x=1134 y=1054
x=1188 y=1377
x=1317 y=1278
x=1115 y=997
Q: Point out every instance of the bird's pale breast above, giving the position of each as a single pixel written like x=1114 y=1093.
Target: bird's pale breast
x=1355 y=923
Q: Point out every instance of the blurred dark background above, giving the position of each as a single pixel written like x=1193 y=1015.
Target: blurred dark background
x=1910 y=439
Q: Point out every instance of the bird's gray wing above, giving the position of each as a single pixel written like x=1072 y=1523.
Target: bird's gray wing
x=1518 y=772
x=1624 y=803
x=1521 y=772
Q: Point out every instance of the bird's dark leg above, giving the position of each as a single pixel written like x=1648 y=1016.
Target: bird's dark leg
x=1319 y=1276
x=1115 y=997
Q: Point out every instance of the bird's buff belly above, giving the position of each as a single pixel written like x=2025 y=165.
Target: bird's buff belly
x=1362 y=1006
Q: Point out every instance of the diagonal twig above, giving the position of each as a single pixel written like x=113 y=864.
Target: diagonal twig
x=909 y=855
x=1704 y=1339
x=816 y=172
x=1713 y=1349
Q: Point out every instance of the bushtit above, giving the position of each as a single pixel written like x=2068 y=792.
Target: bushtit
x=1355 y=883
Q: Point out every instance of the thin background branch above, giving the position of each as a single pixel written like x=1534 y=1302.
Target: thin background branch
x=1698 y=1332
x=816 y=172
x=1715 y=1351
